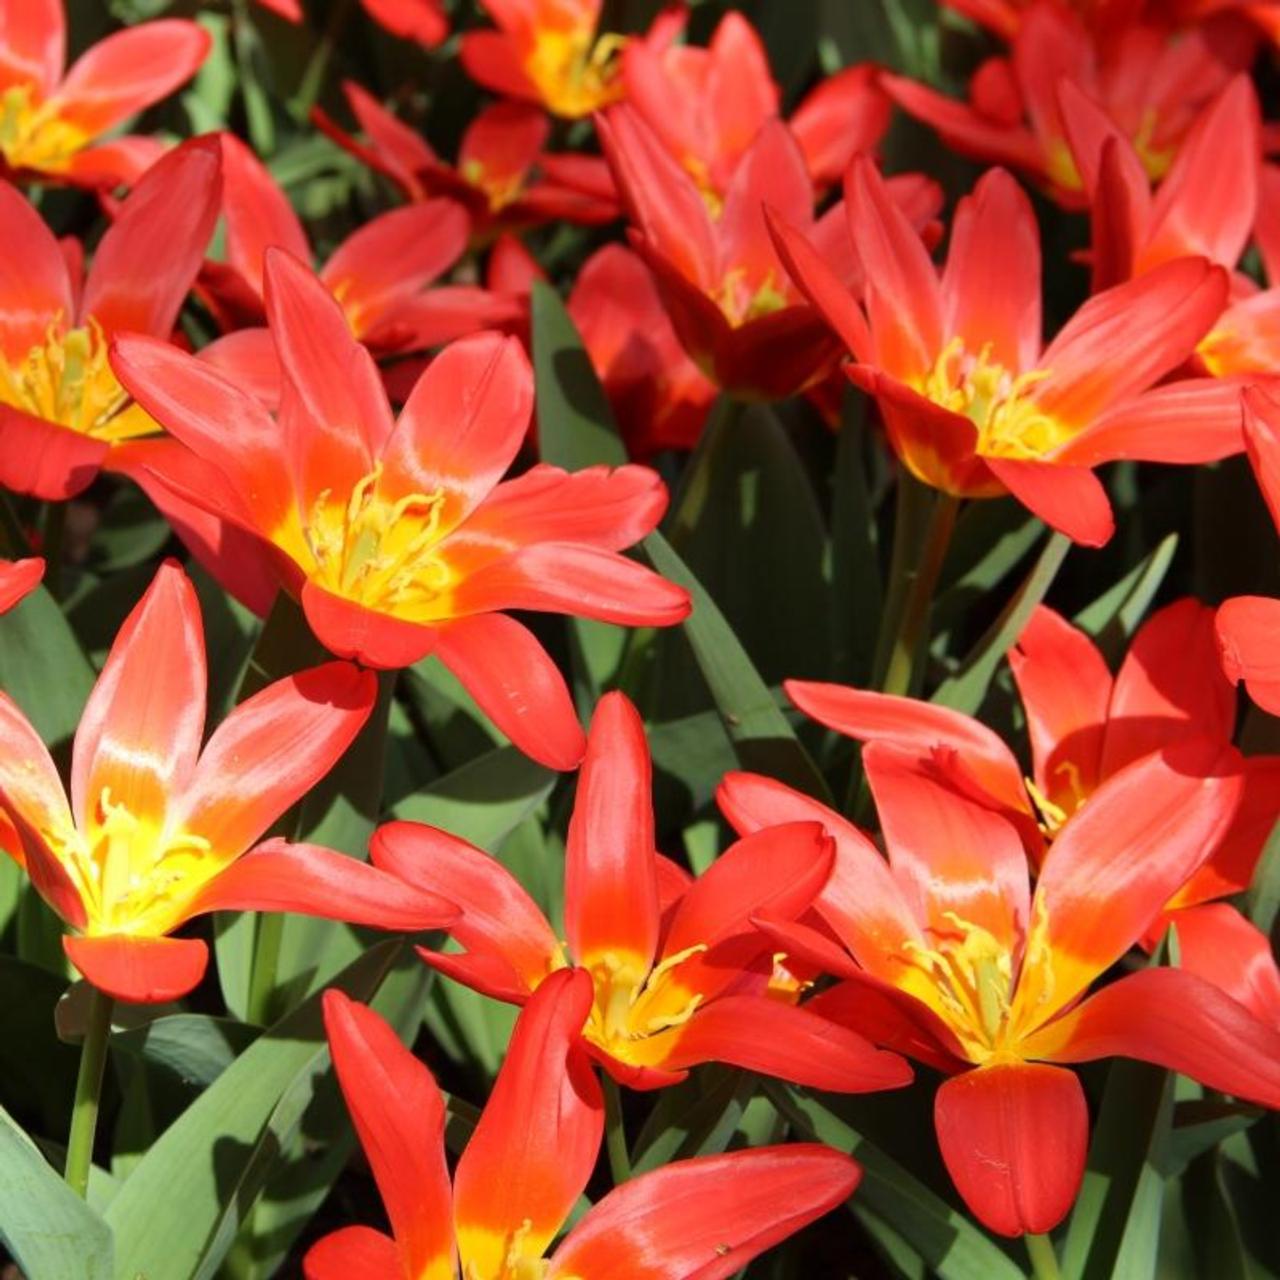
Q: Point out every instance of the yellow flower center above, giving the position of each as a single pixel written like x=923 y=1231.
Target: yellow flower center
x=378 y=552
x=500 y=189
x=633 y=1003
x=488 y=1256
x=68 y=379
x=34 y=136
x=132 y=876
x=574 y=75
x=741 y=304
x=1052 y=816
x=1010 y=423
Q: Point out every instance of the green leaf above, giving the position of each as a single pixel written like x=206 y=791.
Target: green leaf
x=1262 y=902
x=762 y=737
x=1201 y=1124
x=947 y=1240
x=575 y=424
x=966 y=690
x=51 y=1232
x=37 y=1071
x=213 y=1159
x=194 y=1047
x=1114 y=616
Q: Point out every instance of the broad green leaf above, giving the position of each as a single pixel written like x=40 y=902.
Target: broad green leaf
x=1262 y=902
x=51 y=1233
x=195 y=1047
x=947 y=1240
x=693 y=754
x=166 y=1214
x=966 y=690
x=696 y=1118
x=761 y=735
x=991 y=539
x=1199 y=1125
x=575 y=424
x=1114 y=616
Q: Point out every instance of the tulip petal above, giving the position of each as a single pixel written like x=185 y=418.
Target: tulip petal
x=498 y=916
x=462 y=425
x=132 y=288
x=139 y=970
x=507 y=671
x=1218 y=944
x=706 y=1218
x=140 y=731
x=398 y=1115
x=1177 y=1020
x=536 y=1143
x=32 y=45
x=350 y=630
x=1069 y=499
x=611 y=881
x=1065 y=689
x=951 y=856
x=1247 y=628
x=129 y=70
x=44 y=459
x=844 y=114
x=1170 y=686
x=1140 y=837
x=271 y=750
x=354 y=1251
x=1262 y=440
x=18 y=578
x=1014 y=1138
x=423 y=21
x=35 y=286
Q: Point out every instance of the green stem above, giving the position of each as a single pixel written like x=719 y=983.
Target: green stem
x=918 y=583
x=84 y=1113
x=1044 y=1261
x=55 y=528
x=615 y=1132
x=266 y=965
x=313 y=76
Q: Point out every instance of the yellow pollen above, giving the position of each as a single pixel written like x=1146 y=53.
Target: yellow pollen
x=972 y=979
x=740 y=305
x=1010 y=423
x=378 y=552
x=131 y=876
x=575 y=76
x=67 y=379
x=1155 y=160
x=631 y=1004
x=34 y=136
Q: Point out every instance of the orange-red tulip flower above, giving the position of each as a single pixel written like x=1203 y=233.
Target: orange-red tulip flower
x=707 y=105
x=659 y=396
x=1005 y=16
x=680 y=976
x=18 y=578
x=529 y=1159
x=1086 y=727
x=372 y=273
x=1249 y=626
x=1151 y=83
x=157 y=829
x=1217 y=943
x=423 y=21
x=550 y=52
x=730 y=300
x=973 y=403
x=397 y=536
x=52 y=121
x=62 y=411
x=504 y=175
x=945 y=954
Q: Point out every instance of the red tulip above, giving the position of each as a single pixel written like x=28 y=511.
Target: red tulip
x=397 y=537
x=1086 y=728
x=380 y=267
x=529 y=1159
x=62 y=411
x=679 y=974
x=972 y=402
x=707 y=105
x=18 y=578
x=1217 y=943
x=1249 y=626
x=52 y=120
x=157 y=828
x=659 y=396
x=504 y=176
x=945 y=954
x=1151 y=83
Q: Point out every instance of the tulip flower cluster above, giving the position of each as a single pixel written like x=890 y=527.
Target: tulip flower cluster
x=639 y=642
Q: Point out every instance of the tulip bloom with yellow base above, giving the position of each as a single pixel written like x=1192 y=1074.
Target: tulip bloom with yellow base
x=62 y=410
x=54 y=122
x=974 y=403
x=157 y=829
x=530 y=1158
x=680 y=976
x=397 y=536
x=945 y=953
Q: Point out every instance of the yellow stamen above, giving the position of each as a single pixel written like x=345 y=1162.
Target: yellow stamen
x=33 y=136
x=377 y=551
x=574 y=75
x=68 y=379
x=501 y=189
x=132 y=877
x=740 y=304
